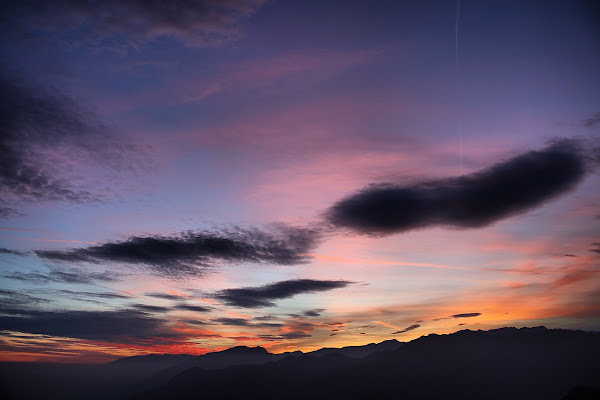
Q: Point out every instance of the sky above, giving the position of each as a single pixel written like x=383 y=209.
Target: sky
x=193 y=176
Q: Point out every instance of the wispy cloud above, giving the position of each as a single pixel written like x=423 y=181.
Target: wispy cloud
x=197 y=22
x=408 y=328
x=592 y=121
x=190 y=253
x=43 y=130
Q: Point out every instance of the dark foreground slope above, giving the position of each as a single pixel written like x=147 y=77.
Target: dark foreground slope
x=508 y=363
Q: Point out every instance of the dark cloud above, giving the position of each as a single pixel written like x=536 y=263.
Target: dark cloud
x=592 y=121
x=471 y=201
x=8 y=212
x=313 y=313
x=16 y=298
x=466 y=315
x=101 y=295
x=41 y=131
x=198 y=22
x=164 y=296
x=597 y=248
x=263 y=296
x=122 y=326
x=12 y=252
x=268 y=317
x=268 y=325
x=409 y=328
x=190 y=253
x=150 y=308
x=295 y=335
x=193 y=321
x=231 y=321
x=64 y=276
x=190 y=307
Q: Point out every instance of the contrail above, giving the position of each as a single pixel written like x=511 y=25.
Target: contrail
x=458 y=84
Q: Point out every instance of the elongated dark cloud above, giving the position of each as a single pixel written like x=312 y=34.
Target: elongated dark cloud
x=41 y=130
x=313 y=313
x=471 y=201
x=189 y=253
x=64 y=276
x=231 y=321
x=198 y=22
x=191 y=307
x=122 y=326
x=151 y=308
x=12 y=252
x=164 y=296
x=263 y=296
x=466 y=315
x=408 y=328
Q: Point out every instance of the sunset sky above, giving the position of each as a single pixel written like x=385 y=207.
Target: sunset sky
x=294 y=174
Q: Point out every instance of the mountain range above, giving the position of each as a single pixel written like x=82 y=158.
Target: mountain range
x=505 y=363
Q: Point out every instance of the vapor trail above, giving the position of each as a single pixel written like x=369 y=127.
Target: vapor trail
x=458 y=84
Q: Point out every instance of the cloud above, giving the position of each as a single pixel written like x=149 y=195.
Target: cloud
x=471 y=201
x=408 y=328
x=592 y=121
x=313 y=313
x=164 y=296
x=16 y=298
x=4 y=250
x=64 y=276
x=190 y=253
x=190 y=307
x=197 y=22
x=121 y=326
x=232 y=321
x=466 y=315
x=150 y=308
x=43 y=133
x=8 y=212
x=263 y=296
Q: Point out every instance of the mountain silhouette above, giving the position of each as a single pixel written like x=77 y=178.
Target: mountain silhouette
x=506 y=363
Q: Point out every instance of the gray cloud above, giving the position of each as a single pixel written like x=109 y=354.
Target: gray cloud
x=12 y=252
x=408 y=328
x=190 y=253
x=592 y=121
x=232 y=321
x=191 y=307
x=164 y=296
x=197 y=22
x=120 y=326
x=40 y=129
x=64 y=276
x=466 y=315
x=263 y=296
x=471 y=201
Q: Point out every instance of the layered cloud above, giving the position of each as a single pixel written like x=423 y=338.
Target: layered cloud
x=57 y=275
x=198 y=22
x=121 y=325
x=470 y=201
x=43 y=132
x=190 y=253
x=264 y=296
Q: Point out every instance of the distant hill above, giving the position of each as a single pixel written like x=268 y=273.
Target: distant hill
x=506 y=363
